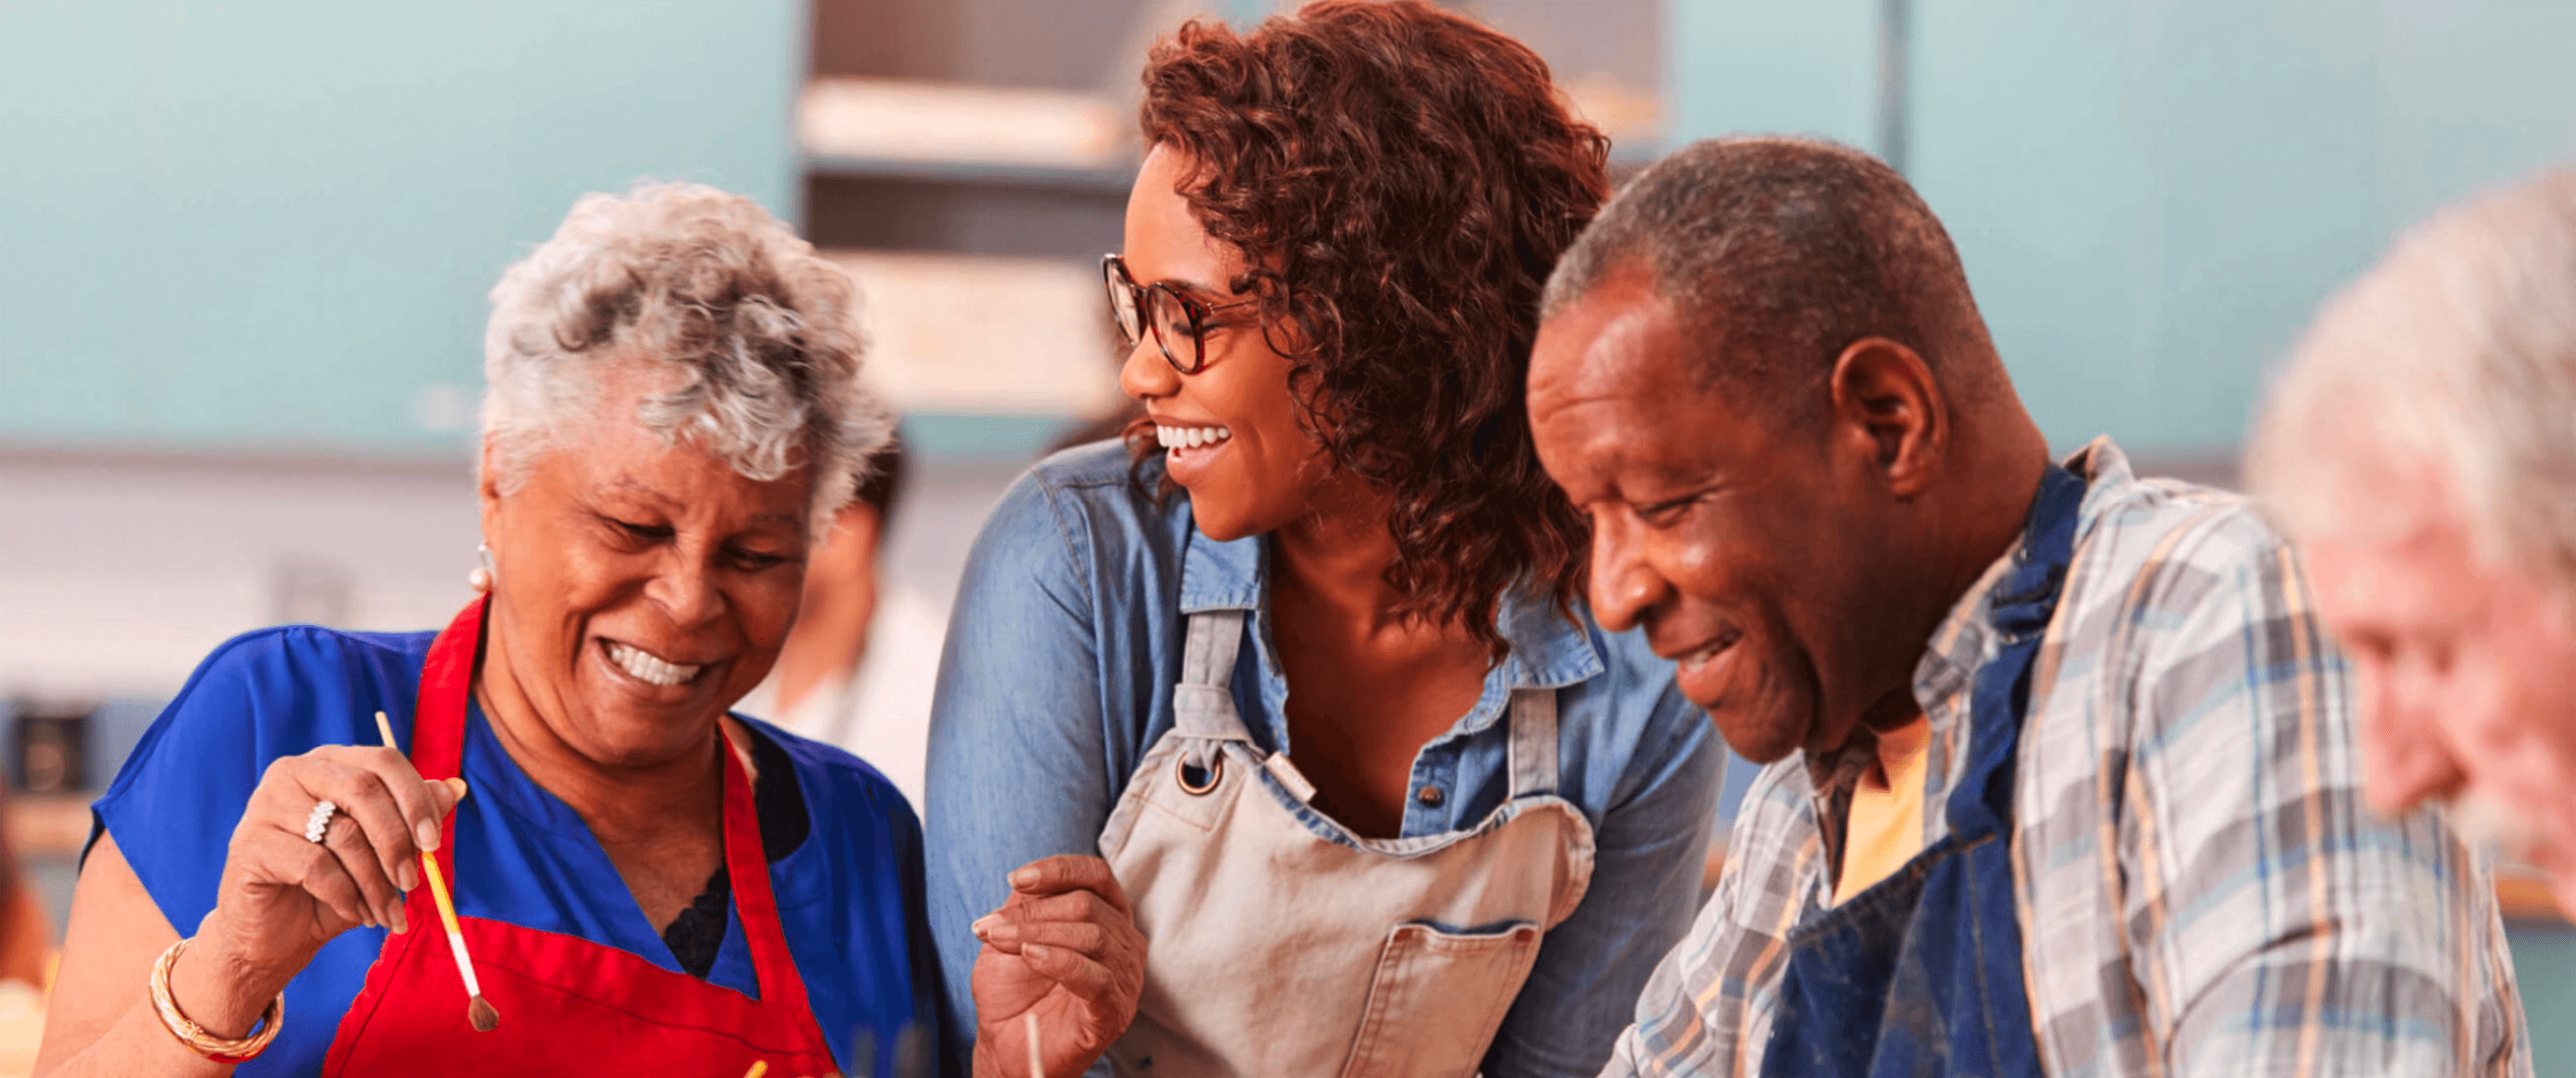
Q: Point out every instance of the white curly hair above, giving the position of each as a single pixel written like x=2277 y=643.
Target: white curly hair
x=2456 y=353
x=755 y=336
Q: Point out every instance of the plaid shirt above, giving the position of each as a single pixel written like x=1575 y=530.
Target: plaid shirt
x=2201 y=890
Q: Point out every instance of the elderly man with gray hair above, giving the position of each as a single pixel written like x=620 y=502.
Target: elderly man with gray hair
x=2062 y=770
x=2421 y=448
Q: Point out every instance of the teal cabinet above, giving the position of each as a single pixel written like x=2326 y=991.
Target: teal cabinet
x=271 y=225
x=2152 y=196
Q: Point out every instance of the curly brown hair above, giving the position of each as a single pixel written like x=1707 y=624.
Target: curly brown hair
x=1401 y=181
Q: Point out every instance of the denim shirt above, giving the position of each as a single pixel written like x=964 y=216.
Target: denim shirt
x=1062 y=652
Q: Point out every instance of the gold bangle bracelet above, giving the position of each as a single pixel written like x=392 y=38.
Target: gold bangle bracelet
x=219 y=1049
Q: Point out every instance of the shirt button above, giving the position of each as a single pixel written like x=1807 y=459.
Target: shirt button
x=1430 y=797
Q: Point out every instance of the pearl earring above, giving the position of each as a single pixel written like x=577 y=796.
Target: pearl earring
x=481 y=578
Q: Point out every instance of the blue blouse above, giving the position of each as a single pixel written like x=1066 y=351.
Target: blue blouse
x=1062 y=651
x=850 y=897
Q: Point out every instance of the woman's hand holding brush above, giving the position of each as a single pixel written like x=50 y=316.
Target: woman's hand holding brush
x=1062 y=968
x=298 y=873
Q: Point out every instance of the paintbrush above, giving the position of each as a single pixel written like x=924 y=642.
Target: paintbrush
x=478 y=1011
x=758 y=1067
x=1037 y=1059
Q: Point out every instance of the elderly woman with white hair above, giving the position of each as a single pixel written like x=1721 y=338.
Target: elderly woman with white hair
x=643 y=883
x=2421 y=449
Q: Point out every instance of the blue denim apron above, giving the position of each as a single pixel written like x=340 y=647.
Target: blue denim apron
x=1921 y=974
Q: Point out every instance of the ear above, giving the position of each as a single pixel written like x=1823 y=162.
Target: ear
x=487 y=488
x=1888 y=404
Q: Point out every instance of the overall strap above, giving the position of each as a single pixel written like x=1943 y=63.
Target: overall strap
x=1203 y=701
x=1533 y=745
x=2022 y=604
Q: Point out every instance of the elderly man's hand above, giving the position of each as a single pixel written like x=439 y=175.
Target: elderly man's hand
x=282 y=897
x=1064 y=947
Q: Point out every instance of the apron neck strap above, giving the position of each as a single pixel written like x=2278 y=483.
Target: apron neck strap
x=1203 y=702
x=747 y=862
x=446 y=684
x=1533 y=745
x=2022 y=604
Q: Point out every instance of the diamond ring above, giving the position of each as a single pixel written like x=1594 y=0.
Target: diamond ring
x=319 y=822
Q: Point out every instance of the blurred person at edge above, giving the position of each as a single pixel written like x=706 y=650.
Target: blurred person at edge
x=1305 y=661
x=649 y=885
x=26 y=964
x=858 y=669
x=2062 y=776
x=2421 y=450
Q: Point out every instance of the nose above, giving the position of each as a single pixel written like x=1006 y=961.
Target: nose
x=2404 y=761
x=1625 y=586
x=685 y=590
x=1146 y=375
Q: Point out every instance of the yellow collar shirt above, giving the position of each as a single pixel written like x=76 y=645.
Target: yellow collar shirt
x=1886 y=828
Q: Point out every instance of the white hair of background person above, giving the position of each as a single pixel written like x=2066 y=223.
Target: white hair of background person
x=758 y=335
x=2456 y=353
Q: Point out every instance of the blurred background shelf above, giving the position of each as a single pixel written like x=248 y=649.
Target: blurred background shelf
x=1089 y=181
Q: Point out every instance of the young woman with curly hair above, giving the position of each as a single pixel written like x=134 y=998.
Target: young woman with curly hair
x=1309 y=670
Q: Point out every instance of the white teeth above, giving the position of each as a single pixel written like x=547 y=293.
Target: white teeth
x=649 y=668
x=1696 y=659
x=1190 y=437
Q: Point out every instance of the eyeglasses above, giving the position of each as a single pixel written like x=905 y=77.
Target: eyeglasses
x=1177 y=320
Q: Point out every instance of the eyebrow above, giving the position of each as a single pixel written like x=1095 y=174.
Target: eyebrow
x=1200 y=288
x=1663 y=483
x=632 y=486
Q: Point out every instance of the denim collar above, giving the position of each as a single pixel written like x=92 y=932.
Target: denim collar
x=1549 y=650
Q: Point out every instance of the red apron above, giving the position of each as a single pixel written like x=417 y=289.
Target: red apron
x=569 y=1007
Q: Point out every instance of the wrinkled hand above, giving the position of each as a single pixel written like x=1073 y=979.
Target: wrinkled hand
x=282 y=897
x=1064 y=947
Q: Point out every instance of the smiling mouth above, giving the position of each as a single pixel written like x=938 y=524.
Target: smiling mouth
x=1182 y=438
x=1691 y=662
x=649 y=668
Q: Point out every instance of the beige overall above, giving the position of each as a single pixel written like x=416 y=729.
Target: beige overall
x=1282 y=944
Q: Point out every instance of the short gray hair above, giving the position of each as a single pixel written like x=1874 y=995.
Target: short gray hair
x=758 y=331
x=2457 y=352
x=1778 y=253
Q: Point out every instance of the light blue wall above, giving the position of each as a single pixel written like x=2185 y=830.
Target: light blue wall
x=1764 y=66
x=272 y=224
x=2544 y=962
x=2151 y=196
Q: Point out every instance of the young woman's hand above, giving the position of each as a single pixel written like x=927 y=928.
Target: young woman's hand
x=1064 y=947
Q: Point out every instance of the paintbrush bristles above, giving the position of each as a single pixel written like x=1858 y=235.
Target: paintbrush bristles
x=480 y=1012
